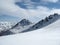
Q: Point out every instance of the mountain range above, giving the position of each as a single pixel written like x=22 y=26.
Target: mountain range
x=44 y=22
x=25 y=25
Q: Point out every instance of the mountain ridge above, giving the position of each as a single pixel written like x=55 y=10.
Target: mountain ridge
x=42 y=23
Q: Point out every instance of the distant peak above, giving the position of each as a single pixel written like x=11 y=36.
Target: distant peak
x=25 y=22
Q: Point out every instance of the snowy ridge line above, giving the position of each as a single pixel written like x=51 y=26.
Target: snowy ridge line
x=21 y=25
x=22 y=29
x=45 y=22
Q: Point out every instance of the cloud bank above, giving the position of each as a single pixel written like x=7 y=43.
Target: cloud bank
x=8 y=7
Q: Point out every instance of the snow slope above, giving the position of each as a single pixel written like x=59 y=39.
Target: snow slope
x=54 y=27
x=50 y=35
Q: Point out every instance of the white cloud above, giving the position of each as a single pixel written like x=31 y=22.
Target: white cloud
x=8 y=7
x=54 y=10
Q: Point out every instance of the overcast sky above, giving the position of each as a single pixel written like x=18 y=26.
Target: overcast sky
x=29 y=9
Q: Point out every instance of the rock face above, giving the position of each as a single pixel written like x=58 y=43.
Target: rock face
x=44 y=22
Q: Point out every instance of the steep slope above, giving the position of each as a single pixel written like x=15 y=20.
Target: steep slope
x=23 y=23
x=20 y=26
x=44 y=22
x=54 y=27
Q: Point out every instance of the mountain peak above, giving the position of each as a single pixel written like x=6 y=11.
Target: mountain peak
x=25 y=22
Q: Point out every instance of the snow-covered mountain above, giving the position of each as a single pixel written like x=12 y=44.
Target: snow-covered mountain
x=6 y=25
x=49 y=35
x=44 y=22
x=7 y=22
x=20 y=26
x=22 y=23
x=25 y=25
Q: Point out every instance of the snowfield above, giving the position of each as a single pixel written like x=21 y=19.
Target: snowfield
x=49 y=35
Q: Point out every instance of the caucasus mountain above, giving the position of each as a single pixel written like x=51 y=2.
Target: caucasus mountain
x=25 y=25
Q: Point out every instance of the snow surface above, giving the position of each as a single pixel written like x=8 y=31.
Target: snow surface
x=50 y=35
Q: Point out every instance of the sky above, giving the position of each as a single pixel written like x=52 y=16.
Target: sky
x=8 y=18
x=33 y=10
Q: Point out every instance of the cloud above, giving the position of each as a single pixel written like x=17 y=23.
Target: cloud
x=54 y=10
x=9 y=7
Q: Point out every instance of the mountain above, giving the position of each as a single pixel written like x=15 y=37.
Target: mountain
x=6 y=25
x=44 y=22
x=20 y=26
x=49 y=35
x=25 y=22
x=8 y=18
x=25 y=25
x=7 y=21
